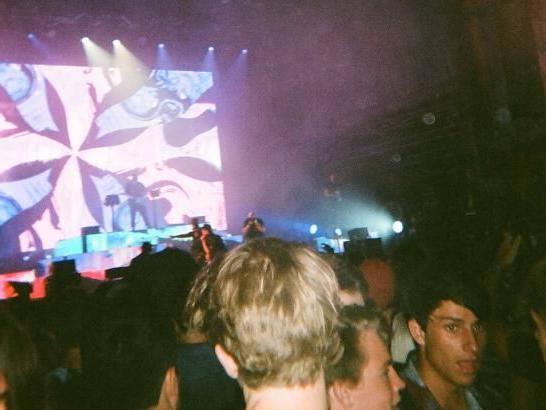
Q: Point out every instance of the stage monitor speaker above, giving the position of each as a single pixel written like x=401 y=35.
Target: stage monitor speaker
x=357 y=234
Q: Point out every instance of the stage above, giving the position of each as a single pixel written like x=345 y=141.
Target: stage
x=94 y=254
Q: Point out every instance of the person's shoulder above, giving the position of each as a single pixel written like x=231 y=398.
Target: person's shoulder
x=416 y=397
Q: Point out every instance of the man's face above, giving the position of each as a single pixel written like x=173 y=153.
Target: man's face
x=379 y=385
x=452 y=348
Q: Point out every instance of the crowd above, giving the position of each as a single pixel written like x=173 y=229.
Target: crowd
x=273 y=324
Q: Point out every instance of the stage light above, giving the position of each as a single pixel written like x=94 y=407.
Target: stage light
x=211 y=48
x=337 y=231
x=397 y=227
x=244 y=51
x=116 y=42
x=85 y=40
x=313 y=229
x=31 y=36
x=161 y=45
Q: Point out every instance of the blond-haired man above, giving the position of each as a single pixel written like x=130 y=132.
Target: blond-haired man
x=274 y=327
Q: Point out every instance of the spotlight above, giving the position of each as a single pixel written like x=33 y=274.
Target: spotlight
x=337 y=231
x=116 y=42
x=244 y=51
x=85 y=40
x=161 y=45
x=313 y=229
x=397 y=227
x=211 y=48
x=31 y=36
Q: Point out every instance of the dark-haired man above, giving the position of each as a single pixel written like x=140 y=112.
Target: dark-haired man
x=445 y=321
x=253 y=227
x=136 y=193
x=213 y=245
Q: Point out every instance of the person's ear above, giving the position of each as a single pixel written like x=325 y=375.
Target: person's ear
x=227 y=361
x=340 y=395
x=416 y=332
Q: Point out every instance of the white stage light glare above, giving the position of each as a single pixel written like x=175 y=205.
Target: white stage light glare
x=31 y=36
x=397 y=227
x=211 y=48
x=116 y=42
x=85 y=40
x=313 y=229
x=337 y=231
x=244 y=51
x=161 y=45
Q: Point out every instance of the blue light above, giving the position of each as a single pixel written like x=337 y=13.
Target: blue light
x=313 y=229
x=337 y=231
x=211 y=48
x=161 y=45
x=244 y=51
x=397 y=227
x=31 y=36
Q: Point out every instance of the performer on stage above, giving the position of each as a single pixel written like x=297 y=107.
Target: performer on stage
x=253 y=227
x=136 y=192
x=196 y=248
x=213 y=245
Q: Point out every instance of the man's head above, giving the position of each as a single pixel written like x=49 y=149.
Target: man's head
x=146 y=248
x=206 y=230
x=19 y=367
x=133 y=356
x=276 y=314
x=353 y=290
x=364 y=377
x=446 y=315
